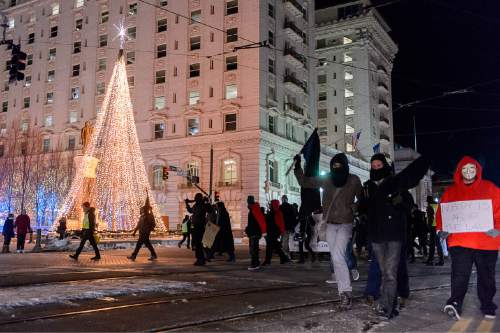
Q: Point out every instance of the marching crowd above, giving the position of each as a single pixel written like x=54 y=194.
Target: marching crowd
x=379 y=216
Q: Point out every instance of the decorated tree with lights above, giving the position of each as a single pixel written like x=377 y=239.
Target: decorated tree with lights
x=111 y=173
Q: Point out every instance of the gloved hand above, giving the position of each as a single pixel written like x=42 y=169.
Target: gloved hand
x=443 y=234
x=493 y=233
x=297 y=161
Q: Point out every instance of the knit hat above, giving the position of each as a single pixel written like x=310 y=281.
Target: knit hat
x=379 y=157
x=250 y=200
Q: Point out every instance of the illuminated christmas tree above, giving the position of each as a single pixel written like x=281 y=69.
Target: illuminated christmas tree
x=111 y=174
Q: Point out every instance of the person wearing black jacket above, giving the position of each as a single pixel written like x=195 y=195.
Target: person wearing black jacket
x=224 y=241
x=8 y=233
x=256 y=227
x=383 y=203
x=145 y=226
x=199 y=212
x=88 y=229
x=290 y=217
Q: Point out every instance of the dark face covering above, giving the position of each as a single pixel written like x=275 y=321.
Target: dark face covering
x=380 y=174
x=339 y=176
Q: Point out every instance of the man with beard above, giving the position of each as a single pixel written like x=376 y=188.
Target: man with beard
x=340 y=188
x=383 y=202
x=199 y=212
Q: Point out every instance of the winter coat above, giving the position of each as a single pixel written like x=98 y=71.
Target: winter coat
x=22 y=224
x=199 y=211
x=224 y=241
x=338 y=208
x=146 y=224
x=8 y=228
x=274 y=220
x=289 y=215
x=385 y=206
x=91 y=217
x=256 y=226
x=480 y=189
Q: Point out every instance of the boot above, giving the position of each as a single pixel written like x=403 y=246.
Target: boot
x=5 y=249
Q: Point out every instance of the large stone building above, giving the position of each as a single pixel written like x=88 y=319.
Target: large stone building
x=197 y=79
x=354 y=78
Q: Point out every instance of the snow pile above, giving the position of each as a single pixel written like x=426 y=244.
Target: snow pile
x=11 y=297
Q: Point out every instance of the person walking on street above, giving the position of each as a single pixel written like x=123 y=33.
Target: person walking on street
x=468 y=248
x=420 y=228
x=434 y=240
x=383 y=203
x=8 y=233
x=275 y=228
x=88 y=229
x=255 y=229
x=224 y=238
x=23 y=227
x=199 y=212
x=61 y=228
x=145 y=226
x=186 y=231
x=290 y=217
x=340 y=189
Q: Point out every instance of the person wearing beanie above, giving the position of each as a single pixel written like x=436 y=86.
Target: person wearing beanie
x=255 y=229
x=340 y=188
x=386 y=207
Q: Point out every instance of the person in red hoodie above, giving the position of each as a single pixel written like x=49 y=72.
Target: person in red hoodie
x=23 y=227
x=255 y=229
x=467 y=248
x=275 y=224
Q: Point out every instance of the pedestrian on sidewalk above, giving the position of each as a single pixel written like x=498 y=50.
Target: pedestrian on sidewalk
x=61 y=228
x=434 y=240
x=199 y=211
x=186 y=231
x=340 y=189
x=23 y=227
x=468 y=248
x=88 y=230
x=383 y=203
x=255 y=229
x=290 y=217
x=275 y=226
x=224 y=239
x=8 y=232
x=145 y=226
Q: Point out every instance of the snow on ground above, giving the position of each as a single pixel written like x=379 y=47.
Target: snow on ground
x=65 y=292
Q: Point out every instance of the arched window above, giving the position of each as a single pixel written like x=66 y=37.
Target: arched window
x=229 y=172
x=193 y=169
x=273 y=171
x=157 y=177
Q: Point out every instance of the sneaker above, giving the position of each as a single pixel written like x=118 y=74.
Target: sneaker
x=332 y=280
x=346 y=300
x=131 y=258
x=152 y=258
x=355 y=274
x=490 y=316
x=95 y=258
x=253 y=268
x=73 y=256
x=452 y=310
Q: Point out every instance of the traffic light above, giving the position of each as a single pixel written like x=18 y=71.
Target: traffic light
x=165 y=173
x=17 y=64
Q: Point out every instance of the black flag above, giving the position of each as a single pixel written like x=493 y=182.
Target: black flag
x=311 y=200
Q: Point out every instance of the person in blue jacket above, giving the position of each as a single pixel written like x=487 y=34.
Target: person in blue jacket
x=8 y=233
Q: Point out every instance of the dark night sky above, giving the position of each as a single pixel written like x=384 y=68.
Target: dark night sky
x=446 y=45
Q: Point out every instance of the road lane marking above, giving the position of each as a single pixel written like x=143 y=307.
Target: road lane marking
x=485 y=326
x=460 y=326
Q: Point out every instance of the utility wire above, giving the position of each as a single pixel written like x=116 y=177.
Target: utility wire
x=470 y=129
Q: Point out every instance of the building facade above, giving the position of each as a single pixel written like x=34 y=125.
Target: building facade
x=355 y=55
x=198 y=79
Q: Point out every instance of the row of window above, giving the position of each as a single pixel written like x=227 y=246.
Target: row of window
x=193 y=126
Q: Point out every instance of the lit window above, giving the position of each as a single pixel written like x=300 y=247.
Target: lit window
x=79 y=3
x=349 y=111
x=348 y=75
x=231 y=7
x=130 y=57
x=160 y=102
x=79 y=24
x=77 y=47
x=231 y=63
x=55 y=9
x=75 y=93
x=230 y=122
x=76 y=70
x=50 y=97
x=349 y=147
x=52 y=54
x=160 y=77
x=12 y=23
x=232 y=35
x=48 y=121
x=161 y=25
x=348 y=93
x=195 y=43
x=132 y=9
x=104 y=16
x=349 y=129
x=53 y=31
x=159 y=130
x=103 y=40
x=231 y=91
x=73 y=117
x=346 y=40
x=193 y=126
x=46 y=145
x=24 y=125
x=157 y=177
x=161 y=51
x=26 y=102
x=194 y=70
x=273 y=171
x=27 y=81
x=100 y=88
x=229 y=172
x=71 y=142
x=101 y=64
x=193 y=169
x=194 y=97
x=196 y=16
x=132 y=32
x=347 y=57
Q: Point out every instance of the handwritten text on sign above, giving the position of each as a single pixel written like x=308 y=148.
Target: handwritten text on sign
x=467 y=216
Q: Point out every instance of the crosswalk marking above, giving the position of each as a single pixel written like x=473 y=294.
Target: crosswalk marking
x=485 y=326
x=460 y=326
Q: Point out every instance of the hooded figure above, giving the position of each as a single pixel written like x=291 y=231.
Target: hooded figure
x=256 y=227
x=224 y=241
x=199 y=212
x=339 y=169
x=466 y=248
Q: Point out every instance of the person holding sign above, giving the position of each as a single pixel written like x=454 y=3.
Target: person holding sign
x=469 y=217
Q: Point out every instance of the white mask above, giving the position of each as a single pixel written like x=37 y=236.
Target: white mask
x=469 y=171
